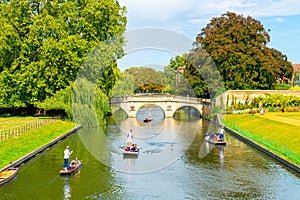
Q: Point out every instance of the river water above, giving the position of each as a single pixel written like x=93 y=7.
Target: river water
x=174 y=163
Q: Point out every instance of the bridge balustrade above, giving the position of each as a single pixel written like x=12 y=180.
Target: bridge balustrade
x=168 y=103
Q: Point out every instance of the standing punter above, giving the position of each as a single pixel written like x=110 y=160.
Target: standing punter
x=67 y=154
x=221 y=133
x=129 y=138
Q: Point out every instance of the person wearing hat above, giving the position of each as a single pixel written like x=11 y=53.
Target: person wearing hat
x=67 y=154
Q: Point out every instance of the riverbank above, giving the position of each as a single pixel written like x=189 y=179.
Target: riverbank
x=31 y=142
x=277 y=133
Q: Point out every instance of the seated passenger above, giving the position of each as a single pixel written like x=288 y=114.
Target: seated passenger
x=127 y=149
x=74 y=162
x=133 y=148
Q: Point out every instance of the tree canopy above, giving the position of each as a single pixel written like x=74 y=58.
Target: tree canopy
x=184 y=78
x=124 y=86
x=238 y=47
x=146 y=79
x=43 y=44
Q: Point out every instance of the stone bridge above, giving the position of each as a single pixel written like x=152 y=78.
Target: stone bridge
x=168 y=103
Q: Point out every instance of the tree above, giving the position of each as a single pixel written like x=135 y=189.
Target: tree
x=146 y=79
x=183 y=78
x=43 y=44
x=124 y=86
x=285 y=69
x=174 y=79
x=198 y=77
x=238 y=46
x=202 y=73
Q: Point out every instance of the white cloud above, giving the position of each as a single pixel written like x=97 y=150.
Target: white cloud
x=164 y=10
x=189 y=16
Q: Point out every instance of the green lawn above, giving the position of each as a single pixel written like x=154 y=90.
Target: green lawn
x=293 y=115
x=8 y=123
x=279 y=130
x=15 y=148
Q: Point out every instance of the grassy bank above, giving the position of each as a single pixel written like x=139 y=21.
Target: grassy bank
x=278 y=132
x=15 y=148
x=8 y=123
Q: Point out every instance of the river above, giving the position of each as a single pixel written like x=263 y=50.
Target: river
x=174 y=163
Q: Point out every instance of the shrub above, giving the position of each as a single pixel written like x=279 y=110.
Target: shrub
x=282 y=86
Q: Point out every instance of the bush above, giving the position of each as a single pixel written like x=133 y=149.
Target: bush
x=292 y=109
x=282 y=86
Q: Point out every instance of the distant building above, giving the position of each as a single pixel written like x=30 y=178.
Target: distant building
x=296 y=67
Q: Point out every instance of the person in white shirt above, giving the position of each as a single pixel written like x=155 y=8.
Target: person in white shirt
x=129 y=138
x=67 y=154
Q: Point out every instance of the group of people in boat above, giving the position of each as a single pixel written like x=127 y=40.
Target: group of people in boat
x=216 y=137
x=73 y=163
x=220 y=136
x=131 y=146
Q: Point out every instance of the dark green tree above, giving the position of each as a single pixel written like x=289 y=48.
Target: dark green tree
x=285 y=70
x=180 y=77
x=197 y=74
x=238 y=47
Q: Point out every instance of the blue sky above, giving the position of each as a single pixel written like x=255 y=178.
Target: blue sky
x=188 y=17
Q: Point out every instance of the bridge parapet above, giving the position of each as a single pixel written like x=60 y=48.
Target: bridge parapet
x=168 y=103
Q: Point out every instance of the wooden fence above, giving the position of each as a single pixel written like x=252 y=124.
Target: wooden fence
x=5 y=135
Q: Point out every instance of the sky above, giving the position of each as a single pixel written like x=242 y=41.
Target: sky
x=180 y=21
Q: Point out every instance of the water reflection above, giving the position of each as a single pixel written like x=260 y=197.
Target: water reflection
x=221 y=153
x=67 y=189
x=156 y=139
x=205 y=148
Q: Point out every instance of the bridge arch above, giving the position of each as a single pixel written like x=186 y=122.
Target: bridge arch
x=148 y=105
x=189 y=108
x=168 y=103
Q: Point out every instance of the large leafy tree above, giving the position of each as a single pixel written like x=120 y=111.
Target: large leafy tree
x=43 y=44
x=184 y=78
x=173 y=77
x=146 y=79
x=198 y=77
x=202 y=73
x=238 y=46
x=285 y=70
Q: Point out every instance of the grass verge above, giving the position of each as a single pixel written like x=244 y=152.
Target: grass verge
x=8 y=123
x=18 y=147
x=277 y=132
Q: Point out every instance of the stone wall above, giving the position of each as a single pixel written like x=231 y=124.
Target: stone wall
x=243 y=95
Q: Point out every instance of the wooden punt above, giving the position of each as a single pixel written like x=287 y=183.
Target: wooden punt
x=8 y=175
x=213 y=139
x=73 y=168
x=148 y=119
